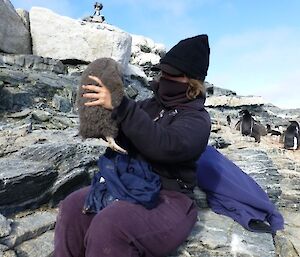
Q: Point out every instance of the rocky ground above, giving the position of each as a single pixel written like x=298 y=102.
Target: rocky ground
x=27 y=232
x=43 y=160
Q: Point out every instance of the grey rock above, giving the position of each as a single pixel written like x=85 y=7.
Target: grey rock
x=142 y=92
x=24 y=15
x=23 y=88
x=33 y=62
x=71 y=160
x=8 y=253
x=15 y=38
x=291 y=234
x=22 y=114
x=60 y=123
x=2 y=249
x=12 y=76
x=217 y=141
x=41 y=246
x=6 y=99
x=29 y=227
x=17 y=179
x=217 y=235
x=41 y=115
x=61 y=103
x=200 y=198
x=284 y=246
x=253 y=244
x=131 y=92
x=5 y=226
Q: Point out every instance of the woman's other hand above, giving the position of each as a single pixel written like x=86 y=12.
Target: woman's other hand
x=100 y=94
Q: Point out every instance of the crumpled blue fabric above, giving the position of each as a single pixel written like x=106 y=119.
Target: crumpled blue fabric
x=233 y=193
x=122 y=177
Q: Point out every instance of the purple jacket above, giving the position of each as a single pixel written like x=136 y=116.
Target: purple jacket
x=233 y=193
x=170 y=139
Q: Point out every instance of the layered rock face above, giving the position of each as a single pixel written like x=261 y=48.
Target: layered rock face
x=43 y=160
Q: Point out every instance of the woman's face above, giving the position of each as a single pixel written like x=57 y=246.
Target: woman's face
x=182 y=79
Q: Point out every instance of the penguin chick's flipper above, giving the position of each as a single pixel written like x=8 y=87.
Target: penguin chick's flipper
x=113 y=145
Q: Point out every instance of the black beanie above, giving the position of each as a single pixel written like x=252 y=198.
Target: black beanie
x=190 y=56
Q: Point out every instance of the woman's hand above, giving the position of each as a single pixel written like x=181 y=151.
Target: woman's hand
x=101 y=95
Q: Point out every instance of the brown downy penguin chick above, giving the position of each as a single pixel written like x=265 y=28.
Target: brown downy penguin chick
x=96 y=121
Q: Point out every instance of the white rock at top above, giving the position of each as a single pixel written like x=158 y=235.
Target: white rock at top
x=61 y=37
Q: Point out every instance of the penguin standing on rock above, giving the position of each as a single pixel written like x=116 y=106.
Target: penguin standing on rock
x=248 y=126
x=96 y=121
x=292 y=136
x=247 y=123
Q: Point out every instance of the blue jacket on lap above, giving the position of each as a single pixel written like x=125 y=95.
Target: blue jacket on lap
x=124 y=178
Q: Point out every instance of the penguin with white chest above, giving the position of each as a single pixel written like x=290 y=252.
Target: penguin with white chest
x=292 y=136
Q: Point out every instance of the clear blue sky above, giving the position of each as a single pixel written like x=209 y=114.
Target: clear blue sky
x=255 y=45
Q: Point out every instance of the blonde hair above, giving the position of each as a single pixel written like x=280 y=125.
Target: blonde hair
x=196 y=88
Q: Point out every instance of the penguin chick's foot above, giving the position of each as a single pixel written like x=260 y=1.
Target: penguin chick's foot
x=113 y=145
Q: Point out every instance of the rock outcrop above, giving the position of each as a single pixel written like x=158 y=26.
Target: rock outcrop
x=63 y=38
x=15 y=37
x=233 y=101
x=43 y=160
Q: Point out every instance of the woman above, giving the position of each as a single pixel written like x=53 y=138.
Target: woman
x=169 y=131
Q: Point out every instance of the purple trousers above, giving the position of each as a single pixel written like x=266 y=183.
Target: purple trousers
x=123 y=229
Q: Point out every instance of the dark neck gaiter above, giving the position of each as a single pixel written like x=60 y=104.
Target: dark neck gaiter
x=171 y=93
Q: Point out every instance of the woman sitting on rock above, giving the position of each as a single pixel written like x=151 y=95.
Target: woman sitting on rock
x=169 y=131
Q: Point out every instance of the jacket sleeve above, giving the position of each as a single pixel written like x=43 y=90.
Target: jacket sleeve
x=184 y=139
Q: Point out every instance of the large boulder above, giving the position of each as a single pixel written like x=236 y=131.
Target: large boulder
x=14 y=36
x=64 y=38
